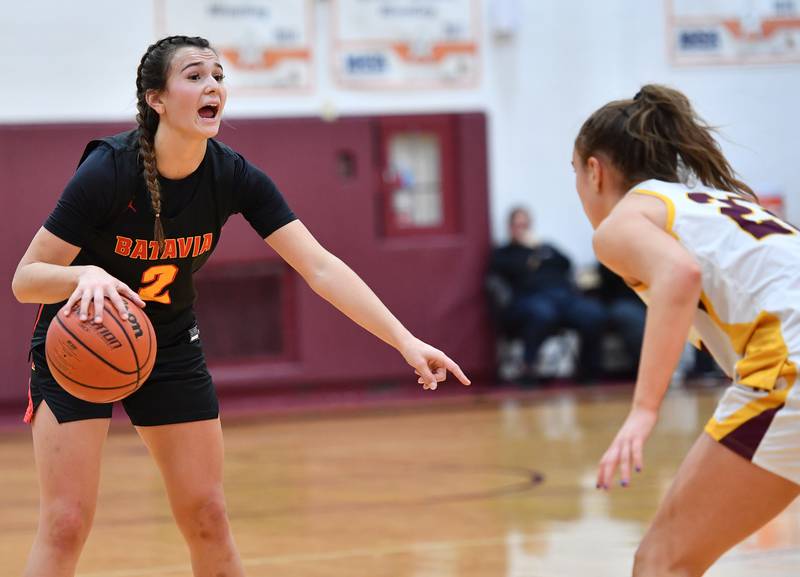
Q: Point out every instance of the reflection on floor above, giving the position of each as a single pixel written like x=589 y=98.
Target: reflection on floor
x=490 y=485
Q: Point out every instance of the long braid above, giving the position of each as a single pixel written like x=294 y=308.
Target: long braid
x=148 y=155
x=152 y=75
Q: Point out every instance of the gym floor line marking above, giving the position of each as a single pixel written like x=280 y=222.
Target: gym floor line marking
x=385 y=551
x=332 y=556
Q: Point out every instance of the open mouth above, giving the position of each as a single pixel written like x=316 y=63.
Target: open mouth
x=209 y=111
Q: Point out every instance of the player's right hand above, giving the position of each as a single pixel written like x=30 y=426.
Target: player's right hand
x=626 y=450
x=94 y=286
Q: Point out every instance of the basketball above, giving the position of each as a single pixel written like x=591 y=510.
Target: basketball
x=105 y=362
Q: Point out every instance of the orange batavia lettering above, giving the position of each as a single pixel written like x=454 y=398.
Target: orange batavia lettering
x=184 y=246
x=173 y=248
x=170 y=249
x=207 y=237
x=196 y=250
x=124 y=245
x=140 y=250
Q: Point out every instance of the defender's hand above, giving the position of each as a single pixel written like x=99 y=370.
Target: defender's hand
x=627 y=448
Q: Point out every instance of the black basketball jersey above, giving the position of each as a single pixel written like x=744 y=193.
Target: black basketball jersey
x=106 y=210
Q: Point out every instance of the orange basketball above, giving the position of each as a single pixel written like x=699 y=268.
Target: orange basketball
x=103 y=362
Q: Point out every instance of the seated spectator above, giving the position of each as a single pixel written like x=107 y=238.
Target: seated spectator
x=534 y=295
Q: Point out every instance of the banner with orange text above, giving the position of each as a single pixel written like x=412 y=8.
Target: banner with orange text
x=710 y=32
x=264 y=44
x=400 y=44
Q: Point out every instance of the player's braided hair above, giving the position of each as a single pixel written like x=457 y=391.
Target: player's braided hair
x=657 y=134
x=152 y=75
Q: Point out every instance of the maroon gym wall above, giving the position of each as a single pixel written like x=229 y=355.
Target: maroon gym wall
x=431 y=282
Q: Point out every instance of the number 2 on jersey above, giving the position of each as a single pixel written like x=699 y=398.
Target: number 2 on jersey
x=155 y=281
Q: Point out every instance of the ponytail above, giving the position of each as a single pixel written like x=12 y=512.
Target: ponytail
x=657 y=134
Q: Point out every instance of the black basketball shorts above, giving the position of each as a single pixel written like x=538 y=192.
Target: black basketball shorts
x=179 y=390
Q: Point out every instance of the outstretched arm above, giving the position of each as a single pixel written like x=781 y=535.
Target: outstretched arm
x=631 y=243
x=334 y=281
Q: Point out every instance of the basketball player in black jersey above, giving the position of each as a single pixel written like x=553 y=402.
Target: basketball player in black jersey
x=142 y=213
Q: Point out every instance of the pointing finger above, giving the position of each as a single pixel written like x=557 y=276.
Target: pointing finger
x=456 y=370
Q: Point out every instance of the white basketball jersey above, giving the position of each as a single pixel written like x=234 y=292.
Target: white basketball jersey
x=749 y=314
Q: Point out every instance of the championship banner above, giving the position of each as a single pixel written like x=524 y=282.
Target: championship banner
x=733 y=31
x=401 y=44
x=263 y=44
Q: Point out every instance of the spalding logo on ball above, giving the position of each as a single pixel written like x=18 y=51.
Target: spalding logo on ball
x=105 y=362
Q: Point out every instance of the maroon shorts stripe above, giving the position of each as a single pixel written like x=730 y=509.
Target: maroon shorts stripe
x=746 y=438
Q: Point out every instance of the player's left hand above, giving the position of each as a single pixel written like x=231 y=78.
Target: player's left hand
x=431 y=364
x=626 y=450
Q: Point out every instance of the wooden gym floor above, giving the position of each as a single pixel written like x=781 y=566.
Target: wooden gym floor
x=477 y=486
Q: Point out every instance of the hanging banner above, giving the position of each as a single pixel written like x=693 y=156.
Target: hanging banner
x=733 y=31
x=264 y=44
x=406 y=43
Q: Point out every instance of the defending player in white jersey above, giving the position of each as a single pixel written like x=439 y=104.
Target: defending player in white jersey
x=675 y=222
